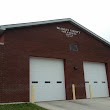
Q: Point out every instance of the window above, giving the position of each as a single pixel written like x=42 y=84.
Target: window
x=73 y=47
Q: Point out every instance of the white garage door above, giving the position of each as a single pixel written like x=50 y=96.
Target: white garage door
x=47 y=76
x=95 y=75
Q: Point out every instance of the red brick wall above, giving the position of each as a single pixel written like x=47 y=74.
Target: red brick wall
x=47 y=41
x=1 y=70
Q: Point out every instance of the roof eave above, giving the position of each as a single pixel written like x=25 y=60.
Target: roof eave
x=1 y=31
x=90 y=32
x=4 y=27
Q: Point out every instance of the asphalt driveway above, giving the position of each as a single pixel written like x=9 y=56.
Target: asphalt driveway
x=81 y=104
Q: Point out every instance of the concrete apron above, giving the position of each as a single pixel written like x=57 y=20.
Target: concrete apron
x=80 y=104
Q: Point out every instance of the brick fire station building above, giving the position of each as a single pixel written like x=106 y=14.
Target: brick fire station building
x=51 y=56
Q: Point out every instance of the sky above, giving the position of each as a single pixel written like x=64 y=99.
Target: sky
x=92 y=14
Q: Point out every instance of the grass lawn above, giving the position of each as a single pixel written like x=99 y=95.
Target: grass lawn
x=24 y=106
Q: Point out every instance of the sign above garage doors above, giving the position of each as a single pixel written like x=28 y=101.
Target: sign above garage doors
x=68 y=32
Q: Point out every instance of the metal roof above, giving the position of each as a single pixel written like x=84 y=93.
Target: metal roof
x=5 y=27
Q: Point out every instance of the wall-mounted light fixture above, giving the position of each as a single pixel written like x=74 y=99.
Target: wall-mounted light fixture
x=75 y=67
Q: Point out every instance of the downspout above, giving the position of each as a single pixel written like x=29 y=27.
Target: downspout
x=1 y=33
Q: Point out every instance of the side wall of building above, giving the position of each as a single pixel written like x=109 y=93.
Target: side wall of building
x=49 y=42
x=1 y=70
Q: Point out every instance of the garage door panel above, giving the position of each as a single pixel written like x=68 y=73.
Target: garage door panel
x=44 y=93
x=95 y=74
x=98 y=91
x=49 y=73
